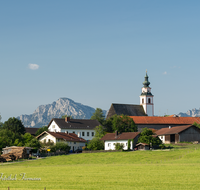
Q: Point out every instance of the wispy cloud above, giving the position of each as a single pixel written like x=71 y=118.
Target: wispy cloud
x=165 y=73
x=33 y=66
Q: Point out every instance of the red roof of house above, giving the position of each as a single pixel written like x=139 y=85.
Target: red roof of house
x=165 y=120
x=173 y=130
x=122 y=136
x=64 y=136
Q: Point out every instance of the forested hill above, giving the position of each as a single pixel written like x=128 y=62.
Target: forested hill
x=63 y=106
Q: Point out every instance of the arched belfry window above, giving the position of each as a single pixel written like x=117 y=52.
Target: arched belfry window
x=143 y=100
x=149 y=100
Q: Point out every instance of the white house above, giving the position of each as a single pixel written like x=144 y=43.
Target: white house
x=83 y=128
x=70 y=138
x=110 y=139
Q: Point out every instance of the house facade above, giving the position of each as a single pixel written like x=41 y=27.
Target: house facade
x=70 y=138
x=110 y=139
x=83 y=128
x=187 y=133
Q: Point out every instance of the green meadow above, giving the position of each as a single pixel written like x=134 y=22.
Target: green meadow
x=178 y=168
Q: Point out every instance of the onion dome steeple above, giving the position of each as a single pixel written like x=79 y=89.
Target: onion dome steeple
x=146 y=82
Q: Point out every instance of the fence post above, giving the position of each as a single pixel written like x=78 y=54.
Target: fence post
x=8 y=188
x=45 y=188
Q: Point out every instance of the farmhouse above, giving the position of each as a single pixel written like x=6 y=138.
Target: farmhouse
x=163 y=122
x=188 y=133
x=110 y=139
x=84 y=128
x=70 y=138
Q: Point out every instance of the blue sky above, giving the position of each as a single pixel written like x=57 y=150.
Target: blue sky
x=97 y=52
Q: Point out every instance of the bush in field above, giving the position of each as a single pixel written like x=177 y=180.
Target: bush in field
x=60 y=146
x=95 y=144
x=119 y=146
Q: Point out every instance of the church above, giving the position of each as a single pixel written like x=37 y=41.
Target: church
x=146 y=107
x=143 y=114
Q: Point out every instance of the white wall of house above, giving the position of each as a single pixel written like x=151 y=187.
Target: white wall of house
x=73 y=145
x=47 y=138
x=110 y=145
x=162 y=138
x=54 y=127
x=86 y=134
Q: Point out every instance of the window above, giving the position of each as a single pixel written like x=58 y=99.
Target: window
x=149 y=100
x=108 y=144
x=49 y=140
x=143 y=100
x=126 y=144
x=83 y=134
x=53 y=126
x=74 y=142
x=73 y=131
x=92 y=133
x=44 y=140
x=88 y=133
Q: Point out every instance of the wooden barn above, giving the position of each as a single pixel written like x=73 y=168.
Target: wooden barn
x=142 y=146
x=187 y=133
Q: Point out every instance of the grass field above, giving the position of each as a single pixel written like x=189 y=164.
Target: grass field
x=178 y=168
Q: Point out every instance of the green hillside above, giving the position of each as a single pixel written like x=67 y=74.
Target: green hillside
x=178 y=168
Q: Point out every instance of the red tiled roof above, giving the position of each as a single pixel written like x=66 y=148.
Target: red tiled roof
x=173 y=130
x=165 y=120
x=122 y=136
x=65 y=136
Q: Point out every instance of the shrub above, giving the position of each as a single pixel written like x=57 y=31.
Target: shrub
x=95 y=144
x=60 y=146
x=119 y=146
x=129 y=144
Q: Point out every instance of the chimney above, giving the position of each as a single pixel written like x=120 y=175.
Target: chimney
x=67 y=119
x=116 y=134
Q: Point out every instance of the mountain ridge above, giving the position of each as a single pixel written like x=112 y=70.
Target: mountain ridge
x=190 y=113
x=63 y=106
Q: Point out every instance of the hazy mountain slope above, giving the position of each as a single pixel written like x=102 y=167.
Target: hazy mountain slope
x=63 y=106
x=190 y=113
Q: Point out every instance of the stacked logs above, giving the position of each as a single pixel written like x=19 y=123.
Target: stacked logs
x=7 y=157
x=15 y=154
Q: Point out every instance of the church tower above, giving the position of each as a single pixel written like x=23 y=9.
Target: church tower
x=146 y=98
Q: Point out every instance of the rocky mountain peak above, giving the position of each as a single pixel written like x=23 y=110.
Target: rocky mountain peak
x=63 y=106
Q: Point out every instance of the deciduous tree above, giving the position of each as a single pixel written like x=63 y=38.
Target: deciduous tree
x=98 y=115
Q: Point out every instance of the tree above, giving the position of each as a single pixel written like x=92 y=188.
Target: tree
x=64 y=116
x=34 y=143
x=123 y=123
x=146 y=137
x=27 y=137
x=1 y=124
x=196 y=124
x=95 y=144
x=41 y=130
x=99 y=132
x=6 y=138
x=15 y=125
x=98 y=115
